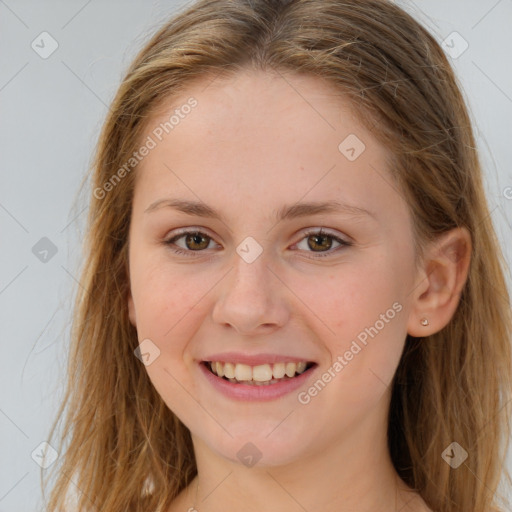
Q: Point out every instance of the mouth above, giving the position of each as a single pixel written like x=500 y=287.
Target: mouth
x=259 y=375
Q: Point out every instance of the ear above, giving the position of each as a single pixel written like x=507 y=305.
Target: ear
x=439 y=283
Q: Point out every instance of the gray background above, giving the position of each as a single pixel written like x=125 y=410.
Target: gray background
x=52 y=110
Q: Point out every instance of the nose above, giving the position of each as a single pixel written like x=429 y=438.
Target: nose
x=252 y=298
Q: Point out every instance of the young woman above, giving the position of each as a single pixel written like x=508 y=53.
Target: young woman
x=293 y=293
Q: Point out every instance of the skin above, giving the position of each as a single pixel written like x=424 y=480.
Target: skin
x=251 y=145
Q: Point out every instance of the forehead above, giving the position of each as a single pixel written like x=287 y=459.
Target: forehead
x=263 y=138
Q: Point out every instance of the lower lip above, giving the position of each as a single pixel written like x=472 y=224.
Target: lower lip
x=247 y=392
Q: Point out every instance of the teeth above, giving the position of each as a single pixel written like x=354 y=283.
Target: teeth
x=290 y=369
x=243 y=372
x=279 y=370
x=301 y=367
x=262 y=374
x=229 y=370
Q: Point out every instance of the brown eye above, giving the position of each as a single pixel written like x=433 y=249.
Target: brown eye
x=196 y=241
x=318 y=242
x=322 y=242
x=189 y=241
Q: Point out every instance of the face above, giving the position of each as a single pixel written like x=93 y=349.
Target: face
x=246 y=277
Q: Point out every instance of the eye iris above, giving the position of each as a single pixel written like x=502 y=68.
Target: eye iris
x=315 y=241
x=320 y=237
x=196 y=239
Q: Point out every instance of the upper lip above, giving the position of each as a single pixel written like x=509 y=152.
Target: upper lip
x=255 y=359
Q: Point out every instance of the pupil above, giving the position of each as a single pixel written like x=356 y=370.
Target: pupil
x=196 y=239
x=322 y=237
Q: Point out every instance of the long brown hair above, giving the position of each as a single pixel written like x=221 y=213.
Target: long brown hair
x=451 y=386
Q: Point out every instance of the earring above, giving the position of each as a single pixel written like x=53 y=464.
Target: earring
x=424 y=322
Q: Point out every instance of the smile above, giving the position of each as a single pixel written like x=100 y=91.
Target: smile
x=260 y=375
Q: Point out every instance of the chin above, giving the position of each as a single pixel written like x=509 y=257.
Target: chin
x=255 y=448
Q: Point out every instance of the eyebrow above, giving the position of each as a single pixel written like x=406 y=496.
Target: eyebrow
x=286 y=212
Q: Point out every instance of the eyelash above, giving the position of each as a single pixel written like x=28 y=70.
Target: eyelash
x=307 y=234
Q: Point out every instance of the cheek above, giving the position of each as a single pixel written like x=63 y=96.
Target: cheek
x=363 y=309
x=164 y=298
x=168 y=307
x=359 y=315
x=349 y=298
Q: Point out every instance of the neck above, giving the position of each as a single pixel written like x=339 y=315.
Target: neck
x=353 y=475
